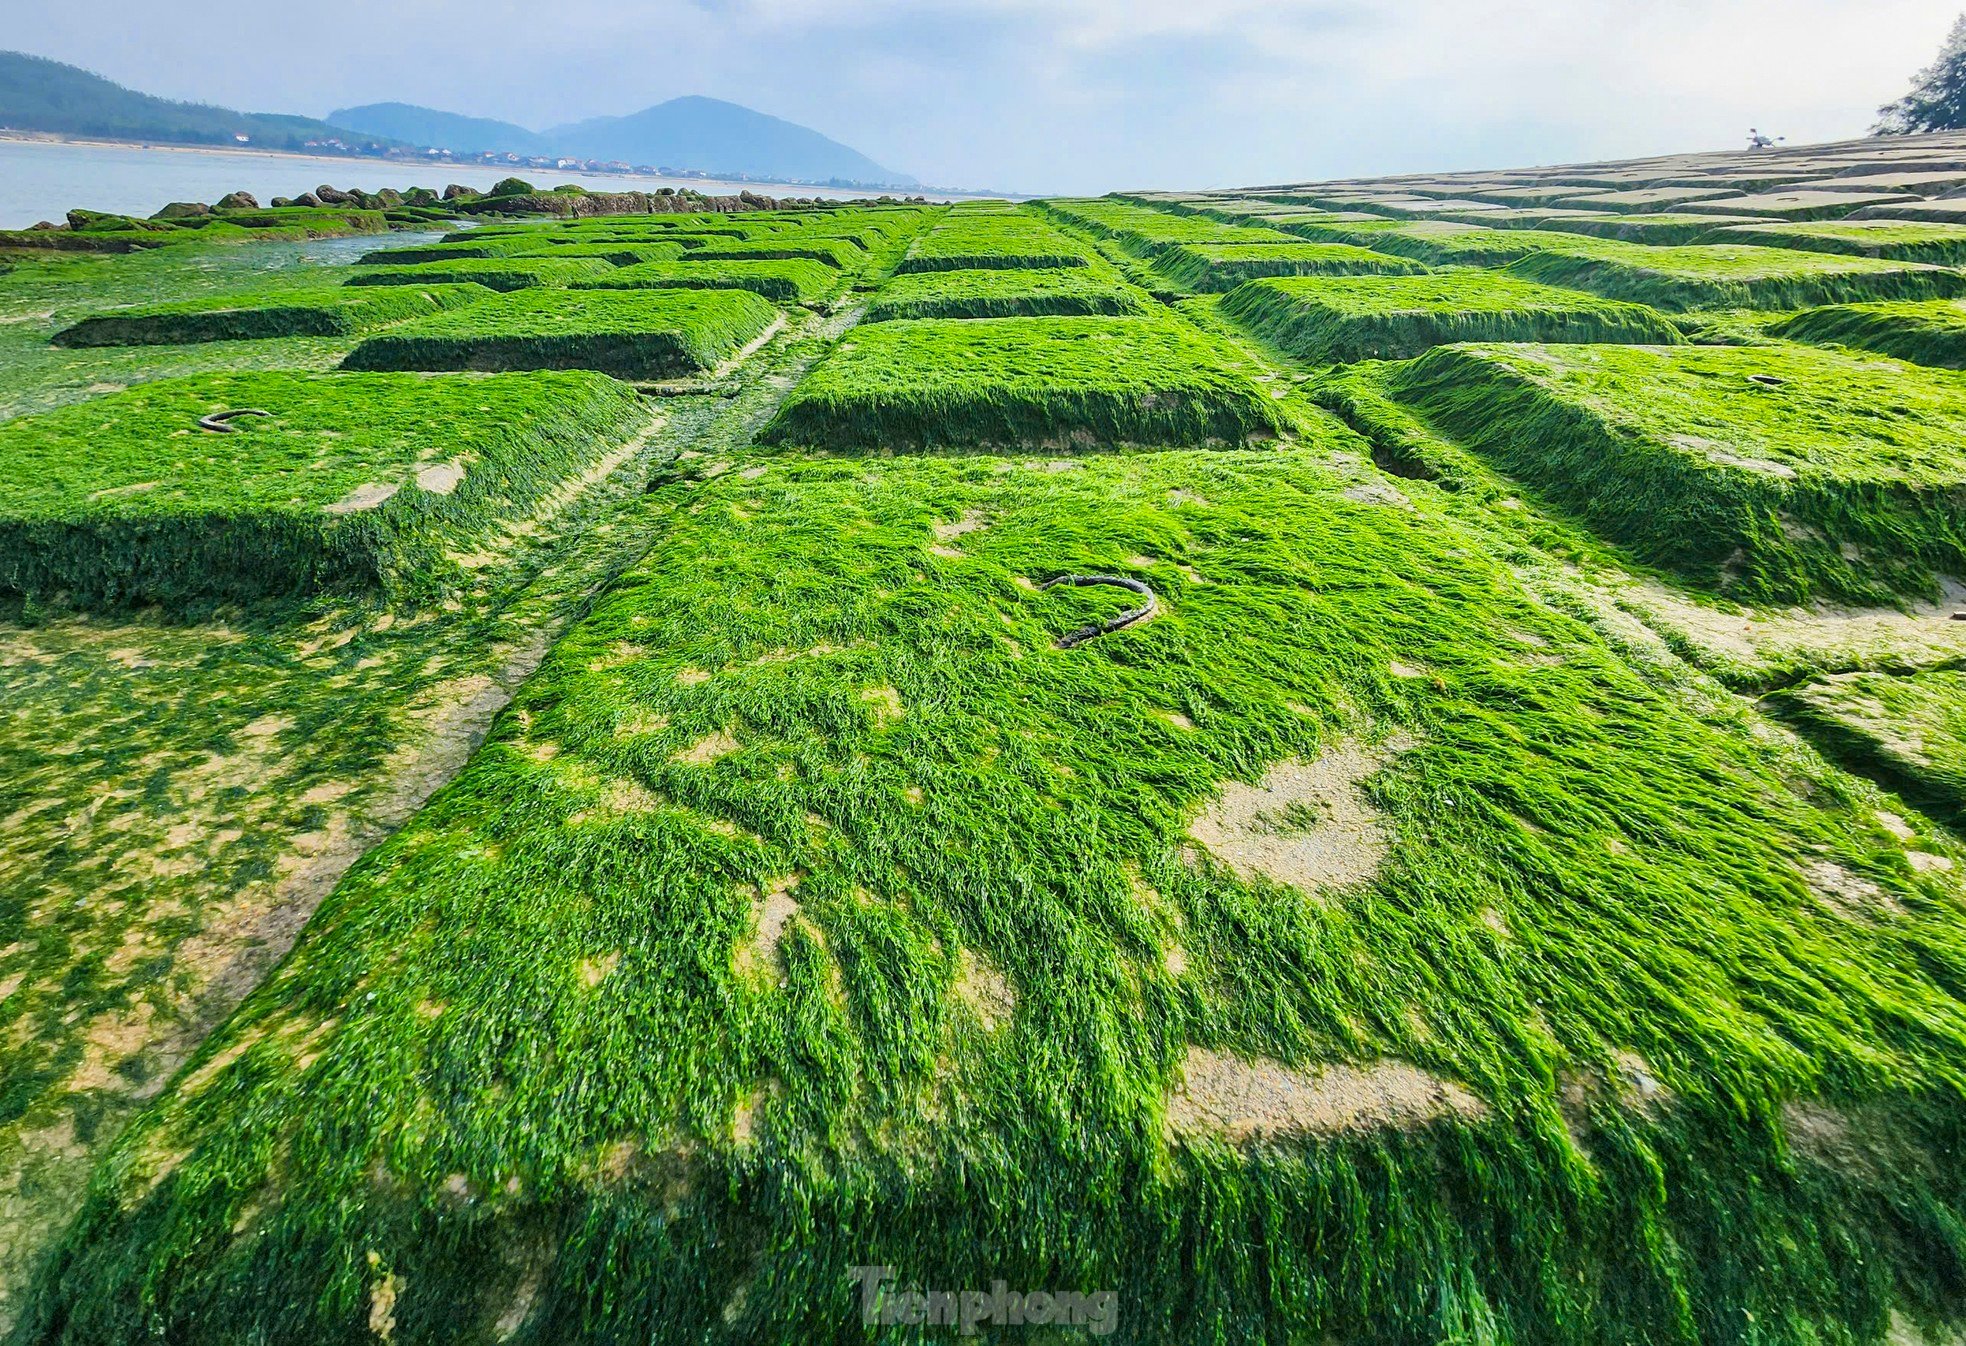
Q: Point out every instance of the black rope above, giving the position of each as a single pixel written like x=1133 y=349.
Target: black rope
x=216 y=422
x=1119 y=623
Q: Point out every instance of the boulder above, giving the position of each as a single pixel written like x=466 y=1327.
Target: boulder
x=282 y=202
x=182 y=210
x=420 y=196
x=329 y=196
x=455 y=192
x=388 y=198
x=512 y=187
x=307 y=199
x=237 y=201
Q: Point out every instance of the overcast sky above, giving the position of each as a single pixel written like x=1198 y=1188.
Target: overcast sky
x=1064 y=95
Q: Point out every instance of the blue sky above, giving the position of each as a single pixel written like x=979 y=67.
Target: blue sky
x=1066 y=95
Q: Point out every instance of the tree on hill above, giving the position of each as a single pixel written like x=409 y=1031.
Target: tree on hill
x=1937 y=101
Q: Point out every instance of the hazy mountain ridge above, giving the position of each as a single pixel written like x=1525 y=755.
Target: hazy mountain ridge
x=425 y=126
x=37 y=94
x=691 y=133
x=694 y=134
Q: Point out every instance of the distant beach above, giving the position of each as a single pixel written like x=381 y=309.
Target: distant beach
x=41 y=177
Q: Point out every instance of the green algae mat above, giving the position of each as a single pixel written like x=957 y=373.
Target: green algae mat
x=345 y=481
x=1726 y=275
x=331 y=312
x=631 y=334
x=1059 y=292
x=793 y=280
x=1356 y=949
x=497 y=273
x=948 y=384
x=1769 y=473
x=1449 y=834
x=1927 y=332
x=1908 y=728
x=1346 y=319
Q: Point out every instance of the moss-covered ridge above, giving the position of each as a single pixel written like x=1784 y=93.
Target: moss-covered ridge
x=795 y=280
x=631 y=334
x=1928 y=332
x=1338 y=320
x=1734 y=276
x=329 y=312
x=1084 y=382
x=809 y=902
x=1075 y=291
x=348 y=482
x=1773 y=474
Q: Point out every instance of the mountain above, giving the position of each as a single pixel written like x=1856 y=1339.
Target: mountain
x=703 y=135
x=448 y=130
x=713 y=136
x=37 y=94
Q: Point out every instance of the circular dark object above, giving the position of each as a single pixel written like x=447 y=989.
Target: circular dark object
x=1112 y=624
x=216 y=422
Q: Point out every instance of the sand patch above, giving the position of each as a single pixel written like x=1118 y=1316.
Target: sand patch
x=1847 y=894
x=111 y=492
x=690 y=677
x=885 y=702
x=707 y=749
x=1376 y=493
x=366 y=496
x=771 y=916
x=1244 y=1100
x=971 y=521
x=440 y=478
x=1829 y=634
x=1305 y=824
x=594 y=971
x=985 y=990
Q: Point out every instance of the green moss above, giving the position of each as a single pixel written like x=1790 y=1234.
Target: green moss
x=1928 y=332
x=467 y=247
x=631 y=334
x=1665 y=229
x=1216 y=267
x=1013 y=240
x=1901 y=240
x=618 y=253
x=1731 y=276
x=788 y=281
x=1058 y=292
x=1331 y=320
x=1447 y=243
x=1146 y=231
x=1906 y=729
x=1772 y=474
x=497 y=273
x=339 y=311
x=1099 y=382
x=552 y=1059
x=124 y=499
x=756 y=250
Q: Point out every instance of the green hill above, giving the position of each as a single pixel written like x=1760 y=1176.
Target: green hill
x=37 y=94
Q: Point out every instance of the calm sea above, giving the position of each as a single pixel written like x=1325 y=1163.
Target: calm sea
x=40 y=180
